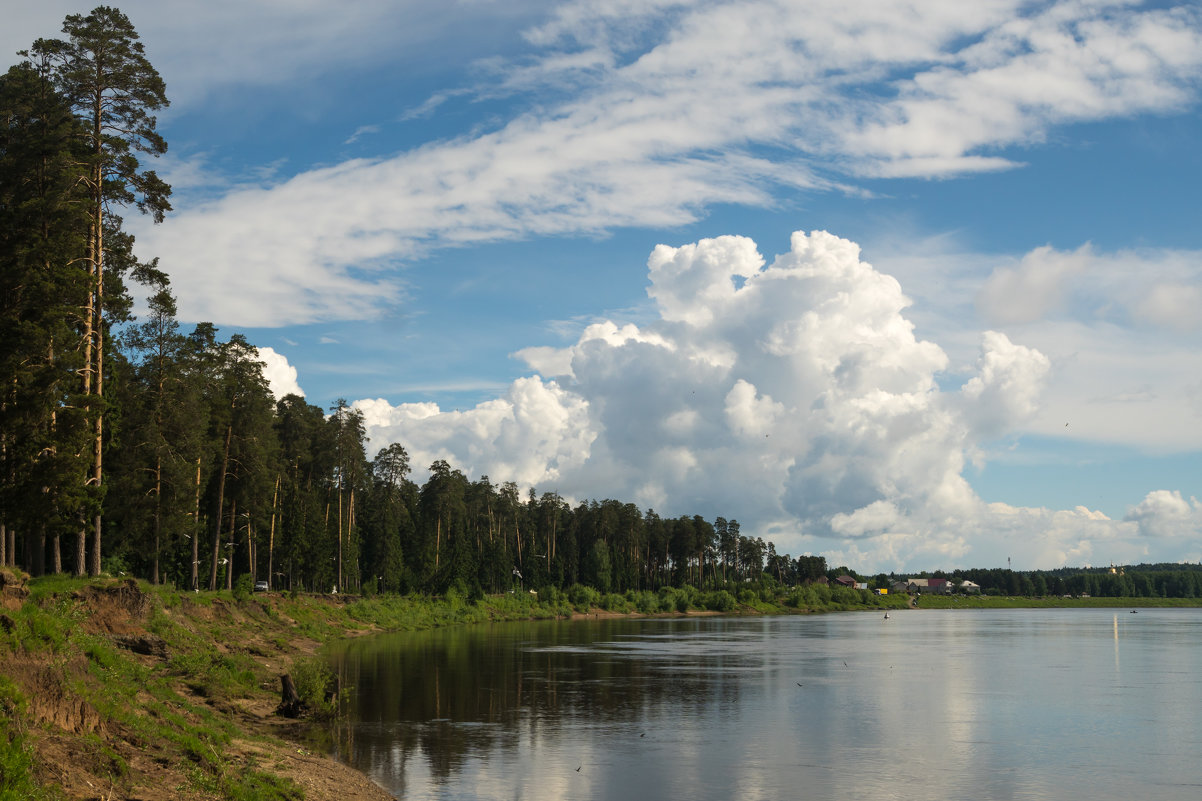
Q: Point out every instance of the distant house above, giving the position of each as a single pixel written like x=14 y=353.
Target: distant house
x=969 y=587
x=846 y=581
x=938 y=586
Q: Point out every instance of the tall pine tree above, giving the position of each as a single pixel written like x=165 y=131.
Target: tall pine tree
x=102 y=69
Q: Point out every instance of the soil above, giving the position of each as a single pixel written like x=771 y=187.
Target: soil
x=78 y=749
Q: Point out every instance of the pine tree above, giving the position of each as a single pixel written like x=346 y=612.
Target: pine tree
x=102 y=69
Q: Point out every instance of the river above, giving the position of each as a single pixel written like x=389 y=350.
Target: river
x=988 y=704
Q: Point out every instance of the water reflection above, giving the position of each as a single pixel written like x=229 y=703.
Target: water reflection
x=1003 y=705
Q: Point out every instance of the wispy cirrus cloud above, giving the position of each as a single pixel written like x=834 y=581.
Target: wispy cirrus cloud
x=648 y=114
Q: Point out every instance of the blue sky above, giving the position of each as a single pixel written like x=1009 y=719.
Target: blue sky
x=910 y=287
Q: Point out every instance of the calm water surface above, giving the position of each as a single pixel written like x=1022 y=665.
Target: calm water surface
x=1006 y=704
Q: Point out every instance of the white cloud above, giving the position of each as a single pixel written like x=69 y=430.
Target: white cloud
x=361 y=131
x=670 y=107
x=1006 y=390
x=531 y=436
x=1166 y=514
x=798 y=401
x=280 y=375
x=1062 y=63
x=206 y=48
x=1034 y=288
x=1122 y=333
x=1173 y=305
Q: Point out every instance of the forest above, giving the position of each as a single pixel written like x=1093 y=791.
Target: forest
x=134 y=446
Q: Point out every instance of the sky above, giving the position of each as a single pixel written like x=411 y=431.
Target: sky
x=911 y=286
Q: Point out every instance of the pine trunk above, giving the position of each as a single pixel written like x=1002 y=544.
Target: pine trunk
x=271 y=534
x=158 y=517
x=229 y=559
x=225 y=460
x=196 y=532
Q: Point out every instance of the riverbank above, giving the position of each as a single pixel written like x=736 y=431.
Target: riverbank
x=114 y=689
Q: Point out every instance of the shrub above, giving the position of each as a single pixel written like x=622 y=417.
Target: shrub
x=613 y=602
x=317 y=687
x=720 y=601
x=582 y=597
x=243 y=586
x=645 y=601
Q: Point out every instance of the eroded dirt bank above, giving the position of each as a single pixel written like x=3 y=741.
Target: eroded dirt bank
x=121 y=692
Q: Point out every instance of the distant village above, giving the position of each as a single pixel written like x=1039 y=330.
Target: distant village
x=934 y=586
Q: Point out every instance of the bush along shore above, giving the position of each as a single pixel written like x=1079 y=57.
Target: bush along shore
x=115 y=688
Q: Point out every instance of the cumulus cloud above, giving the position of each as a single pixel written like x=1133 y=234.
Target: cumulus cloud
x=1166 y=514
x=797 y=399
x=1006 y=389
x=531 y=436
x=794 y=396
x=832 y=90
x=280 y=375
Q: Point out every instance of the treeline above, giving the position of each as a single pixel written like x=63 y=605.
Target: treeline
x=1140 y=581
x=133 y=446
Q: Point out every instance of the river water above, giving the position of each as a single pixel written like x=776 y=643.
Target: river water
x=986 y=704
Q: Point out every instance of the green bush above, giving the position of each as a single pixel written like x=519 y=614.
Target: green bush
x=613 y=602
x=582 y=597
x=720 y=601
x=243 y=586
x=644 y=601
x=317 y=687
x=551 y=595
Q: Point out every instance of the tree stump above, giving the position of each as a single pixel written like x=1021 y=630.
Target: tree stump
x=291 y=706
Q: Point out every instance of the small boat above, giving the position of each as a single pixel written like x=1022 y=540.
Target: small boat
x=886 y=616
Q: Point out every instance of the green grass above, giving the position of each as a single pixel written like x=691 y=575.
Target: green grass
x=130 y=697
x=16 y=754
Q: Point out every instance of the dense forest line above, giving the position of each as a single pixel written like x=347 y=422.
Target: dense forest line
x=1139 y=581
x=133 y=446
